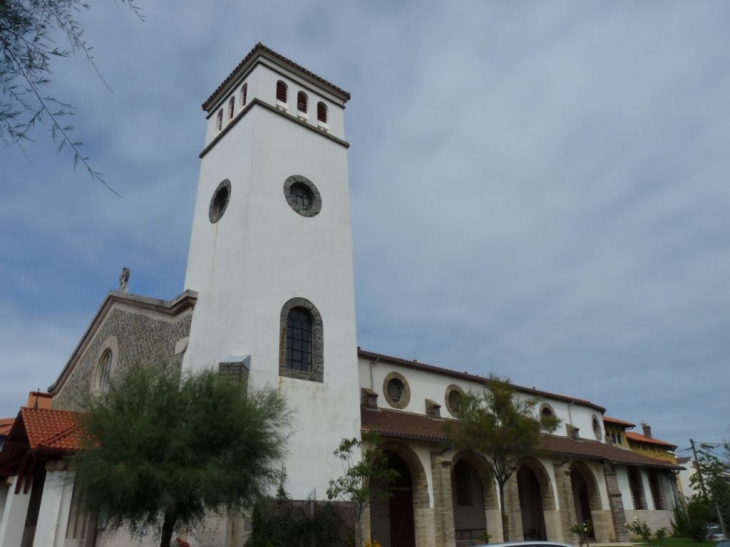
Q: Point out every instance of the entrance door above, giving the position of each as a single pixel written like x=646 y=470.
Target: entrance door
x=581 y=498
x=391 y=517
x=533 y=519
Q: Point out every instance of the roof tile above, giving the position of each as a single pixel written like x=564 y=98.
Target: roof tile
x=261 y=47
x=405 y=425
x=57 y=430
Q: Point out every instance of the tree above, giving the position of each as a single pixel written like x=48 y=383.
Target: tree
x=501 y=427
x=29 y=34
x=366 y=466
x=712 y=479
x=164 y=451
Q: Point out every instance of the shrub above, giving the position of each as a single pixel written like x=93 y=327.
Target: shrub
x=699 y=511
x=639 y=528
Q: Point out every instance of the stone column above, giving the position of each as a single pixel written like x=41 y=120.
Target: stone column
x=443 y=503
x=616 y=503
x=566 y=501
x=514 y=512
x=12 y=524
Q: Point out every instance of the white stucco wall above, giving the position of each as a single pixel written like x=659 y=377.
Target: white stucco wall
x=426 y=384
x=261 y=84
x=261 y=254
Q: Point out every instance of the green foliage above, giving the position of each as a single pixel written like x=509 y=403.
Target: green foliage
x=699 y=512
x=712 y=479
x=639 y=528
x=661 y=536
x=32 y=34
x=583 y=531
x=500 y=426
x=164 y=450
x=680 y=519
x=287 y=523
x=365 y=465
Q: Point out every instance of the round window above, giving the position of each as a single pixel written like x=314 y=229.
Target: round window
x=302 y=196
x=596 y=428
x=453 y=398
x=219 y=201
x=396 y=390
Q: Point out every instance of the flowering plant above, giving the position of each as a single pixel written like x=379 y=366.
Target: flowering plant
x=181 y=542
x=639 y=528
x=582 y=530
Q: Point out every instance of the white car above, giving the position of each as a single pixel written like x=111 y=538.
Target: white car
x=528 y=544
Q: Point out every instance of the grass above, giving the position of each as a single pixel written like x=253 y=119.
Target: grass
x=672 y=542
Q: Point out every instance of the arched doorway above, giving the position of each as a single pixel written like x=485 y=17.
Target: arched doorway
x=581 y=497
x=391 y=518
x=533 y=517
x=468 y=495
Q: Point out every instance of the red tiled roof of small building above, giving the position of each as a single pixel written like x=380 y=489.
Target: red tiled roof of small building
x=616 y=421
x=55 y=430
x=261 y=47
x=5 y=425
x=405 y=425
x=476 y=378
x=631 y=436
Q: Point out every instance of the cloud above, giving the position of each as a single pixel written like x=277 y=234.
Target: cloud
x=538 y=189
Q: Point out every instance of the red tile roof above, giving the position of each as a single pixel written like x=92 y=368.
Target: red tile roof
x=475 y=378
x=405 y=425
x=259 y=48
x=5 y=425
x=648 y=440
x=54 y=430
x=616 y=421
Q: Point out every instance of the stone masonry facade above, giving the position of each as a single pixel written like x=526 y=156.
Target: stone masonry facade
x=141 y=337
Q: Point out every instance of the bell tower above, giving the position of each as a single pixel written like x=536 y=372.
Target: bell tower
x=271 y=253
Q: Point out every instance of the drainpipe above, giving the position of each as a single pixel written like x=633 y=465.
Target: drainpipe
x=570 y=416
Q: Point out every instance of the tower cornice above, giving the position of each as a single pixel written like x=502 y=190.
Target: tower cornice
x=260 y=52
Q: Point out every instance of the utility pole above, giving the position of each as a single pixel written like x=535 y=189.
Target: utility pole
x=704 y=488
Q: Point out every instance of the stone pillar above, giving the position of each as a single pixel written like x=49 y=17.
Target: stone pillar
x=514 y=512
x=616 y=503
x=442 y=501
x=55 y=507
x=566 y=501
x=12 y=524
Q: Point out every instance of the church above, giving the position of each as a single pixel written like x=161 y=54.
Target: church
x=269 y=300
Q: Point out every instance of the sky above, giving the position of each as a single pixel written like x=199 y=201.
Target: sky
x=539 y=190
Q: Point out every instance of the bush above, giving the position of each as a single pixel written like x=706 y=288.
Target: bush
x=639 y=528
x=699 y=512
x=680 y=519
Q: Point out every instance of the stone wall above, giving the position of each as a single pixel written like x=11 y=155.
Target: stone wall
x=141 y=337
x=654 y=519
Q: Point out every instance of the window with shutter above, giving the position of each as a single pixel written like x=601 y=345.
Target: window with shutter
x=281 y=90
x=322 y=112
x=302 y=102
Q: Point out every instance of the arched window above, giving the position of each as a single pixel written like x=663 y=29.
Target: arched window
x=281 y=89
x=231 y=108
x=302 y=348
x=105 y=370
x=299 y=340
x=302 y=102
x=321 y=112
x=244 y=91
x=219 y=123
